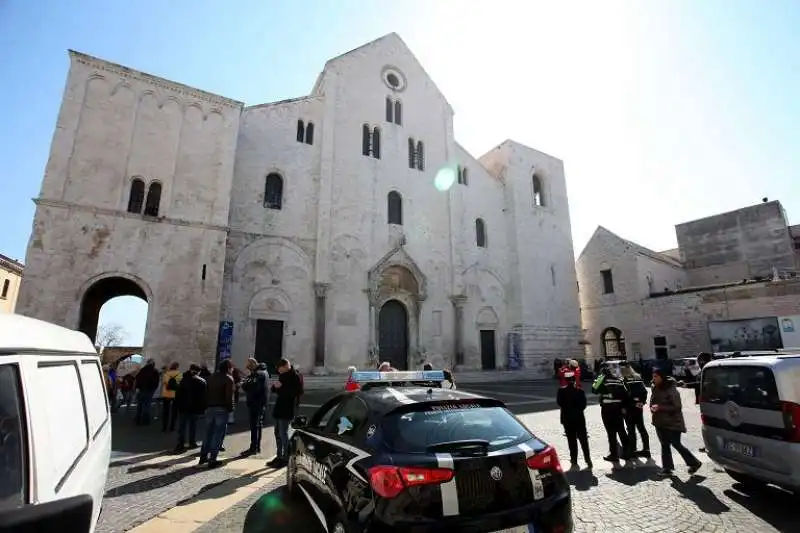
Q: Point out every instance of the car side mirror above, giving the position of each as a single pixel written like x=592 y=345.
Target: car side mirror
x=70 y=514
x=299 y=422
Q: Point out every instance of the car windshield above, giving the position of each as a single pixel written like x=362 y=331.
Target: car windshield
x=747 y=386
x=416 y=431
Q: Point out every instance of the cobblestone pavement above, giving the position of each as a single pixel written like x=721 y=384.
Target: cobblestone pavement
x=628 y=500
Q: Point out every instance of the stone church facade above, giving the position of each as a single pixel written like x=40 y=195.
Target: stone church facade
x=310 y=226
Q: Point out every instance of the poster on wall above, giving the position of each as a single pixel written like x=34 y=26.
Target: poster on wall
x=745 y=335
x=790 y=331
x=514 y=355
x=225 y=340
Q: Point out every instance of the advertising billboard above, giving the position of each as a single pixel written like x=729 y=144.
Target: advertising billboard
x=749 y=334
x=790 y=331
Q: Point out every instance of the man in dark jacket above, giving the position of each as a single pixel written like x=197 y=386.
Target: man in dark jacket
x=613 y=398
x=572 y=402
x=634 y=410
x=219 y=404
x=255 y=389
x=287 y=389
x=190 y=400
x=147 y=381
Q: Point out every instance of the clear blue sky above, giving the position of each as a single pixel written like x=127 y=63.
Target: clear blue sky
x=663 y=111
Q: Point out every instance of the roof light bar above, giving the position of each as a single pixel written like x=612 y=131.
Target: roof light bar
x=399 y=376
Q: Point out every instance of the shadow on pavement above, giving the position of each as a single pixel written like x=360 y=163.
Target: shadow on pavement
x=582 y=479
x=229 y=485
x=159 y=481
x=702 y=496
x=768 y=503
x=276 y=512
x=164 y=465
x=633 y=476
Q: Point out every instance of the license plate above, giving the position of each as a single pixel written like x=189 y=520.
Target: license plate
x=530 y=528
x=741 y=449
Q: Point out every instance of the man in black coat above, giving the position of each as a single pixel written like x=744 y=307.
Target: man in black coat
x=255 y=389
x=147 y=381
x=572 y=401
x=288 y=389
x=190 y=399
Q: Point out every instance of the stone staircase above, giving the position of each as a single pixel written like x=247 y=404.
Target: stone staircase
x=336 y=382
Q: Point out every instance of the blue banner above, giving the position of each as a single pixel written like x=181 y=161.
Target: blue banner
x=224 y=340
x=514 y=349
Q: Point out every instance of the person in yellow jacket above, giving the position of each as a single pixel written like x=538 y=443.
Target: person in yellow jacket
x=169 y=409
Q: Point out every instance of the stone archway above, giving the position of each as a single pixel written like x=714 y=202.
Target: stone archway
x=393 y=334
x=99 y=292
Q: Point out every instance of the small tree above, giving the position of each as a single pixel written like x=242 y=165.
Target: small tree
x=110 y=335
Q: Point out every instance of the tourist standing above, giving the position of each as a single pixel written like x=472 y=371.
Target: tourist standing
x=255 y=389
x=572 y=401
x=667 y=409
x=219 y=404
x=287 y=389
x=169 y=386
x=190 y=402
x=146 y=384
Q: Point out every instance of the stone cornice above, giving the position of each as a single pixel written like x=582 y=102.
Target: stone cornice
x=123 y=214
x=10 y=265
x=125 y=72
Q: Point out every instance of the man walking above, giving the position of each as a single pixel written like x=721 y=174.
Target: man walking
x=287 y=388
x=255 y=389
x=219 y=401
x=190 y=400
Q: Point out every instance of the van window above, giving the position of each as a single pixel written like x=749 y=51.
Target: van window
x=94 y=390
x=61 y=408
x=13 y=441
x=747 y=386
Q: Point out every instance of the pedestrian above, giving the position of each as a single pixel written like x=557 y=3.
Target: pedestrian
x=219 y=404
x=205 y=373
x=702 y=360
x=169 y=386
x=190 y=402
x=255 y=390
x=575 y=368
x=127 y=390
x=572 y=401
x=386 y=366
x=667 y=409
x=288 y=390
x=146 y=383
x=613 y=397
x=634 y=410
x=351 y=385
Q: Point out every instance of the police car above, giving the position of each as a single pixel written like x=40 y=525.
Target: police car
x=404 y=454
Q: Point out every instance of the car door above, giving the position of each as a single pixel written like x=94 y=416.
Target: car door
x=15 y=473
x=305 y=447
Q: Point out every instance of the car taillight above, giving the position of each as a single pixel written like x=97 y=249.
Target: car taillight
x=546 y=459
x=389 y=481
x=791 y=419
x=702 y=419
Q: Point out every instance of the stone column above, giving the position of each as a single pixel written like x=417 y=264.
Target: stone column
x=458 y=324
x=373 y=318
x=320 y=290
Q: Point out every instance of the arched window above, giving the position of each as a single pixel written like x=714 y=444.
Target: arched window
x=153 y=199
x=538 y=191
x=398 y=113
x=310 y=133
x=389 y=110
x=412 y=153
x=301 y=131
x=480 y=232
x=366 y=140
x=376 y=143
x=420 y=156
x=613 y=343
x=136 y=198
x=395 y=208
x=273 y=191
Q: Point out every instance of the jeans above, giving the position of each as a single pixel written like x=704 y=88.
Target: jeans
x=576 y=433
x=187 y=421
x=216 y=423
x=615 y=427
x=670 y=438
x=256 y=416
x=144 y=399
x=635 y=421
x=169 y=414
x=282 y=438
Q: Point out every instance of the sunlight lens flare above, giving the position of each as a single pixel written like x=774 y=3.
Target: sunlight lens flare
x=445 y=178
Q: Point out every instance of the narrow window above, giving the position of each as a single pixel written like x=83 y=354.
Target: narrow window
x=395 y=208
x=136 y=198
x=366 y=140
x=420 y=156
x=412 y=153
x=462 y=176
x=310 y=133
x=6 y=284
x=389 y=109
x=480 y=232
x=273 y=191
x=376 y=143
x=153 y=199
x=398 y=113
x=538 y=192
x=608 y=281
x=459 y=170
x=203 y=274
x=301 y=135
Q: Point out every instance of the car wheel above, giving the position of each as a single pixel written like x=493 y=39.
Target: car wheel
x=749 y=482
x=291 y=478
x=338 y=523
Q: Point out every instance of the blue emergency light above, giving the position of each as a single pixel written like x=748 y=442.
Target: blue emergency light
x=368 y=376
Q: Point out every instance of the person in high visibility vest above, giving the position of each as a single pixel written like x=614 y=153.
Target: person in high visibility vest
x=614 y=397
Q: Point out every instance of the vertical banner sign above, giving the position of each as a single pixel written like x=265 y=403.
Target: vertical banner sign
x=514 y=356
x=225 y=340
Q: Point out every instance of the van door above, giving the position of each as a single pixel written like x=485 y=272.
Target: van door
x=14 y=451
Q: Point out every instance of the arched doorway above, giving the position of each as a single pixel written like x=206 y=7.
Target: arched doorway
x=393 y=334
x=101 y=292
x=613 y=343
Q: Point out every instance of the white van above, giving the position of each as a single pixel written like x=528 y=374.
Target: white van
x=55 y=428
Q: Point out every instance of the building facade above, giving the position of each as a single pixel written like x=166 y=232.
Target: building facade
x=731 y=285
x=309 y=228
x=10 y=280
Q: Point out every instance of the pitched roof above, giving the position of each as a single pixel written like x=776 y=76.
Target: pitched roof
x=647 y=252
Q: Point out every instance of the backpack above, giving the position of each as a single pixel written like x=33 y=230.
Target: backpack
x=172 y=384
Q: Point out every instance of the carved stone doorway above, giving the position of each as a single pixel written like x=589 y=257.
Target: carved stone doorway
x=393 y=334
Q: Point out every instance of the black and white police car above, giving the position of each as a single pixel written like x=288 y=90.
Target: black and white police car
x=404 y=455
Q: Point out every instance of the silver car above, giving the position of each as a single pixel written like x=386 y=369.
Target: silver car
x=750 y=407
